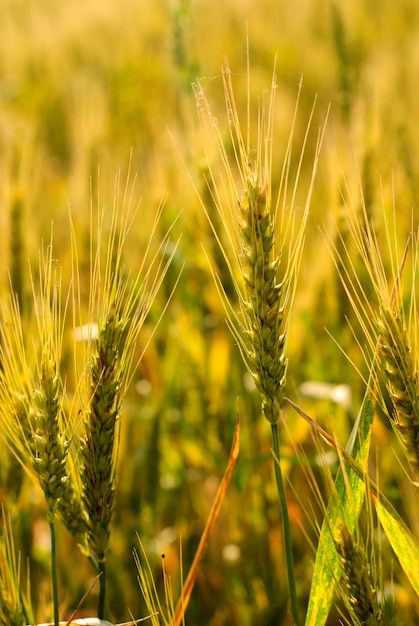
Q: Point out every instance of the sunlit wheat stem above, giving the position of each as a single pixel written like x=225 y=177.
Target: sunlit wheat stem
x=286 y=525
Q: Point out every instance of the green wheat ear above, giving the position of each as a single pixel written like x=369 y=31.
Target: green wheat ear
x=262 y=299
x=357 y=577
x=390 y=320
x=401 y=375
x=264 y=239
x=50 y=443
x=31 y=389
x=119 y=302
x=32 y=392
x=99 y=449
x=263 y=253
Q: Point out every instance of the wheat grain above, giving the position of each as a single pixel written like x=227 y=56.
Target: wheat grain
x=73 y=513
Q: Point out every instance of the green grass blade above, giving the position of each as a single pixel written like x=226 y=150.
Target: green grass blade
x=402 y=541
x=344 y=506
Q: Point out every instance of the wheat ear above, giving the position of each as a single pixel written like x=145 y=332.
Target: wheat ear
x=119 y=303
x=356 y=572
x=401 y=374
x=389 y=320
x=100 y=438
x=33 y=393
x=263 y=253
x=263 y=298
x=50 y=445
x=264 y=242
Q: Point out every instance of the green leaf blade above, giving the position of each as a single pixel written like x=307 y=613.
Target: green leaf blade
x=402 y=541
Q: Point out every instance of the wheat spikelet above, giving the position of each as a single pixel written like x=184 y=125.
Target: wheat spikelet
x=401 y=376
x=118 y=304
x=388 y=317
x=362 y=595
x=72 y=511
x=100 y=439
x=265 y=240
x=50 y=443
x=262 y=299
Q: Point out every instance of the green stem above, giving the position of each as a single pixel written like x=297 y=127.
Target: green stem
x=102 y=589
x=286 y=526
x=54 y=570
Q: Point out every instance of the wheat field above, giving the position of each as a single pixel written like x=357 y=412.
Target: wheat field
x=209 y=210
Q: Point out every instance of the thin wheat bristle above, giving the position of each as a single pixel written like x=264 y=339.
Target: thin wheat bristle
x=14 y=609
x=362 y=595
x=402 y=384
